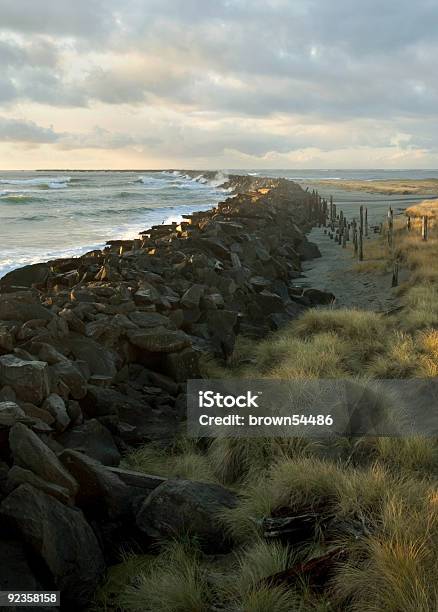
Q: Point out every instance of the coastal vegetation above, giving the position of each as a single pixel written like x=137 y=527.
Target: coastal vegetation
x=387 y=186
x=365 y=509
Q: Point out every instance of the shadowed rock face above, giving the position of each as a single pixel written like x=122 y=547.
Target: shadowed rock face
x=94 y=355
x=61 y=537
x=184 y=507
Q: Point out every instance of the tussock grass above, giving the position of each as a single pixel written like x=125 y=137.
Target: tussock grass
x=175 y=583
x=183 y=460
x=426 y=208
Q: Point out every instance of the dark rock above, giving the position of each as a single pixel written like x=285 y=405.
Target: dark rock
x=30 y=452
x=185 y=507
x=18 y=476
x=69 y=374
x=182 y=365
x=308 y=250
x=192 y=296
x=316 y=296
x=94 y=440
x=148 y=319
x=54 y=404
x=101 y=492
x=62 y=538
x=99 y=359
x=35 y=274
x=159 y=340
x=29 y=379
x=11 y=310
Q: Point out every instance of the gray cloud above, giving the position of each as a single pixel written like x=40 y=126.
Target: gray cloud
x=368 y=66
x=16 y=130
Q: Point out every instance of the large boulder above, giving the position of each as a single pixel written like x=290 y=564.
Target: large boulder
x=34 y=274
x=30 y=452
x=63 y=540
x=159 y=340
x=16 y=574
x=55 y=406
x=186 y=507
x=69 y=374
x=182 y=365
x=29 y=379
x=12 y=309
x=148 y=319
x=18 y=476
x=93 y=439
x=101 y=493
x=11 y=413
x=99 y=359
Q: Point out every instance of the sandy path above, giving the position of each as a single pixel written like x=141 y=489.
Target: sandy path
x=334 y=272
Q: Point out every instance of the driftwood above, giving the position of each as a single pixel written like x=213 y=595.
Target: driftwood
x=316 y=571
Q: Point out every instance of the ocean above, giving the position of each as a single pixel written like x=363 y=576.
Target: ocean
x=46 y=215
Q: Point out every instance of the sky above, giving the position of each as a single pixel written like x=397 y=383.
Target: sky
x=218 y=84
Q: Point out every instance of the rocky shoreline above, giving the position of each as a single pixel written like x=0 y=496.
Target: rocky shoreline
x=94 y=355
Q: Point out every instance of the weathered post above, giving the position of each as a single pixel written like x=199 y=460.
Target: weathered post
x=390 y=227
x=361 y=221
x=394 y=282
x=360 y=247
x=408 y=223
x=366 y=221
x=424 y=228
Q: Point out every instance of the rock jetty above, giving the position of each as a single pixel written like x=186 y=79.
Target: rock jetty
x=94 y=355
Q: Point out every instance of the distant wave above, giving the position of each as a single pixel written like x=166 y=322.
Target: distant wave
x=47 y=182
x=17 y=197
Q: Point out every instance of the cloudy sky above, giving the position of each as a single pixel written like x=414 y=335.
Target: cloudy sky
x=218 y=83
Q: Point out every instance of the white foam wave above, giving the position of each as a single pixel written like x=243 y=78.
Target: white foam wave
x=50 y=182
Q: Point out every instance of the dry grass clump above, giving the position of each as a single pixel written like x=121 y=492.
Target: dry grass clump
x=176 y=582
x=426 y=208
x=396 y=568
x=183 y=460
x=388 y=186
x=349 y=324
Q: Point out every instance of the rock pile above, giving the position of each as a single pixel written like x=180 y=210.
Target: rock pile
x=94 y=353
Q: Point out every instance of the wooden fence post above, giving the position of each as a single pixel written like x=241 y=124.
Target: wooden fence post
x=395 y=274
x=360 y=247
x=366 y=221
x=424 y=227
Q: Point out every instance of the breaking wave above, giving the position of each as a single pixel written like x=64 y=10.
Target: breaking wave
x=44 y=182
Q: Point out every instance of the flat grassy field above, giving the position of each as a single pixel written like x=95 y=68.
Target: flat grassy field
x=389 y=187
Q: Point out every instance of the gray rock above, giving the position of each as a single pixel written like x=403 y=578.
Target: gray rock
x=11 y=310
x=192 y=296
x=70 y=375
x=18 y=476
x=11 y=413
x=186 y=507
x=99 y=359
x=30 y=452
x=159 y=340
x=148 y=319
x=29 y=379
x=62 y=538
x=55 y=405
